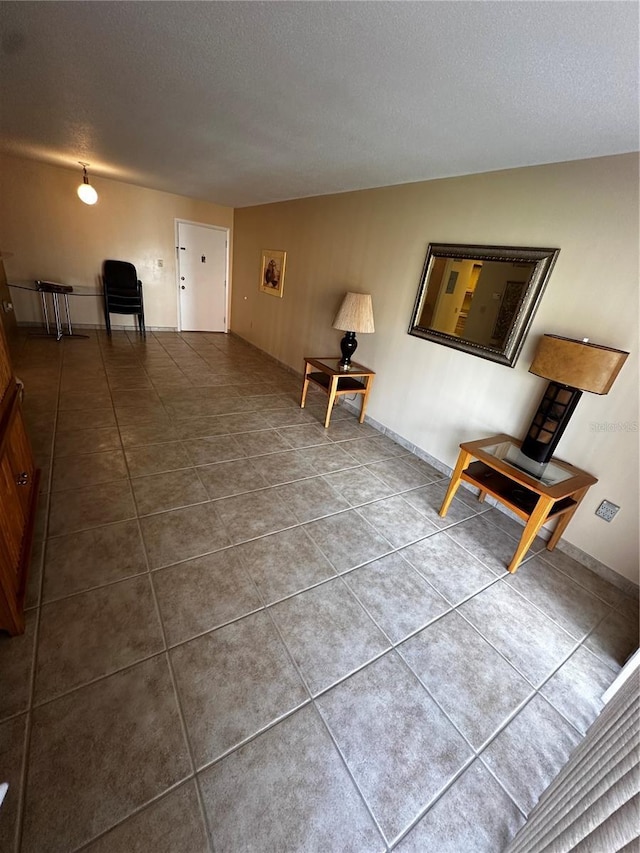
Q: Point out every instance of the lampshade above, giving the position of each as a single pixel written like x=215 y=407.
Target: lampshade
x=355 y=314
x=578 y=364
x=86 y=192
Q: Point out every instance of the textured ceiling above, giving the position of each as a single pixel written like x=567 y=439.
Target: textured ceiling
x=243 y=103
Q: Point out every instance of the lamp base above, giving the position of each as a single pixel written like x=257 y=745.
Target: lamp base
x=348 y=346
x=550 y=421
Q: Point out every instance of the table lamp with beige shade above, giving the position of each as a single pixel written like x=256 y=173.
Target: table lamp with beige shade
x=571 y=367
x=355 y=315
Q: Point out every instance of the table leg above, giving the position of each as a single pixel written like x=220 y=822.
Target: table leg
x=565 y=519
x=463 y=462
x=536 y=520
x=305 y=385
x=45 y=311
x=56 y=311
x=333 y=387
x=66 y=308
x=365 y=397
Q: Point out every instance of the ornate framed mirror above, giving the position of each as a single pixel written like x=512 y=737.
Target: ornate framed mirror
x=480 y=299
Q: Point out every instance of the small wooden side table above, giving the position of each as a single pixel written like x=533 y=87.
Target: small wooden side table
x=327 y=374
x=534 y=492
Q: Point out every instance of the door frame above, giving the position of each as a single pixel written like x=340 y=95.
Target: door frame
x=177 y=223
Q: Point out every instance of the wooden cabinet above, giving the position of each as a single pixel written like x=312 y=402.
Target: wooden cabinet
x=18 y=496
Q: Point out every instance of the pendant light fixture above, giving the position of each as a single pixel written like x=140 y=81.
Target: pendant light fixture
x=86 y=192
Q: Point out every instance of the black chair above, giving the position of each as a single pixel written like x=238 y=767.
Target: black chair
x=122 y=292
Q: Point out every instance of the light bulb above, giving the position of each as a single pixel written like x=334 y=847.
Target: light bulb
x=87 y=194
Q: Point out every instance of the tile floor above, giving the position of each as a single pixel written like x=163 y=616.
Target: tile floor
x=248 y=634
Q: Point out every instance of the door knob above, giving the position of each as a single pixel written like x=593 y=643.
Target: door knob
x=22 y=479
x=183 y=287
x=181 y=278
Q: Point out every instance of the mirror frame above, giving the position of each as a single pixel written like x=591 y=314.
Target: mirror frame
x=544 y=260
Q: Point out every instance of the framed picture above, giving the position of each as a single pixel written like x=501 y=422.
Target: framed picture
x=272 y=272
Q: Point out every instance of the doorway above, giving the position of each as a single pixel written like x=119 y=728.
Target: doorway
x=202 y=277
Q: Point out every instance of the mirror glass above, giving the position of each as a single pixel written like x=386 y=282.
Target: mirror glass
x=480 y=299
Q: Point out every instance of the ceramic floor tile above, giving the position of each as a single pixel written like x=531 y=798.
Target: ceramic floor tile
x=570 y=605
x=473 y=684
x=71 y=401
x=342 y=430
x=91 y=469
x=448 y=567
x=317 y=808
x=310 y=499
x=182 y=533
x=219 y=676
x=136 y=397
x=34 y=576
x=76 y=441
x=127 y=378
x=306 y=435
x=288 y=417
x=428 y=470
x=105 y=750
x=172 y=824
x=428 y=501
x=514 y=527
x=398 y=522
x=171 y=490
x=261 y=442
x=91 y=506
x=531 y=751
x=328 y=634
x=396 y=596
x=95 y=633
x=157 y=458
x=529 y=640
x=218 y=448
x=12 y=734
x=202 y=594
x=484 y=540
x=614 y=640
x=326 y=458
x=398 y=474
x=128 y=415
x=576 y=688
x=358 y=486
x=254 y=514
x=583 y=576
x=348 y=540
x=285 y=563
x=278 y=468
x=452 y=824
x=16 y=662
x=154 y=432
x=200 y=427
x=224 y=479
x=91 y=558
x=374 y=449
x=399 y=746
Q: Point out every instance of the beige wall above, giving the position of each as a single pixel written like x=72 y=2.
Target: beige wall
x=376 y=241
x=53 y=235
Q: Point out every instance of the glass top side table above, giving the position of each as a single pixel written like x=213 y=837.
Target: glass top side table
x=535 y=493
x=326 y=373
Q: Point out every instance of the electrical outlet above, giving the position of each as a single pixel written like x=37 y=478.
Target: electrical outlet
x=160 y=263
x=607 y=510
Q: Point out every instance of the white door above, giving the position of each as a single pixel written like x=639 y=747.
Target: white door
x=202 y=274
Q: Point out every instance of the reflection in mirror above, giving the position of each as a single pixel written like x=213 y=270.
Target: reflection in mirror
x=480 y=298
